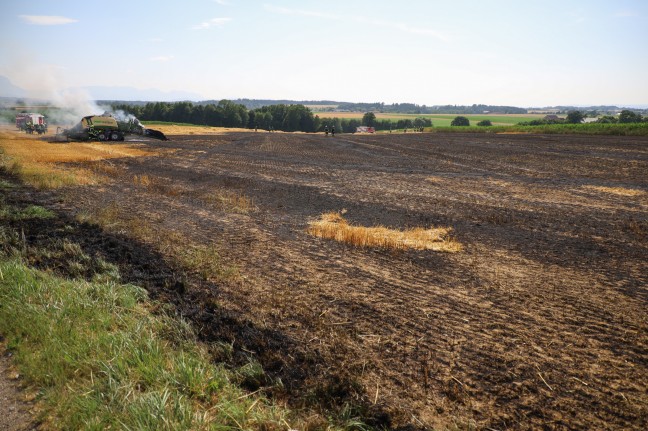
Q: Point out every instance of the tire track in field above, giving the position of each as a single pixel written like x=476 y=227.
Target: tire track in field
x=540 y=322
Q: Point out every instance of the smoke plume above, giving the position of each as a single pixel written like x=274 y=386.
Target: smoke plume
x=47 y=83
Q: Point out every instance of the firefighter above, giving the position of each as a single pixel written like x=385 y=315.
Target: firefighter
x=332 y=130
x=326 y=130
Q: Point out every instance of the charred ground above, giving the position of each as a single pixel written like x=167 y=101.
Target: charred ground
x=539 y=322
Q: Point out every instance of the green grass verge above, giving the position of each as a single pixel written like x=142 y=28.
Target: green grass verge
x=101 y=355
x=438 y=120
x=633 y=129
x=100 y=358
x=169 y=123
x=444 y=120
x=103 y=360
x=32 y=211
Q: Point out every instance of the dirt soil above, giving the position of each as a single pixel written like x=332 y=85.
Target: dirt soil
x=540 y=323
x=16 y=411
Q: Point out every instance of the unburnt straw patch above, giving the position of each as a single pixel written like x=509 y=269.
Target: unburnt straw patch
x=333 y=226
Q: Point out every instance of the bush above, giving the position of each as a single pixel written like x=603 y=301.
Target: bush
x=627 y=116
x=607 y=119
x=460 y=121
x=575 y=117
x=485 y=123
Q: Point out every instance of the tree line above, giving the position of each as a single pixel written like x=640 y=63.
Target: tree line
x=299 y=118
x=287 y=118
x=412 y=108
x=626 y=116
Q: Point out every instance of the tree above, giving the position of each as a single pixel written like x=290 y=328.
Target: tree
x=213 y=116
x=460 y=121
x=161 y=111
x=607 y=119
x=369 y=119
x=485 y=123
x=338 y=125
x=234 y=114
x=263 y=119
x=352 y=125
x=181 y=112
x=197 y=115
x=252 y=121
x=628 y=116
x=575 y=117
x=422 y=122
x=298 y=117
x=404 y=124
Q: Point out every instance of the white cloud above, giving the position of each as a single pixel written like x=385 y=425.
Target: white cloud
x=161 y=58
x=214 y=22
x=222 y=2
x=47 y=19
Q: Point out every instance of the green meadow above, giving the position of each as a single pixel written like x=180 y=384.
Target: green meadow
x=440 y=120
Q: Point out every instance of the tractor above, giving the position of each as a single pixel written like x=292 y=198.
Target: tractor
x=107 y=127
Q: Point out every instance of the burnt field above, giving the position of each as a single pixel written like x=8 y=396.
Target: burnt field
x=539 y=322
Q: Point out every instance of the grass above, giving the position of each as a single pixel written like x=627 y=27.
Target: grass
x=503 y=124
x=44 y=175
x=230 y=201
x=222 y=199
x=170 y=128
x=167 y=123
x=96 y=353
x=157 y=185
x=333 y=226
x=633 y=129
x=438 y=120
x=43 y=164
x=102 y=360
x=204 y=260
x=97 y=356
x=32 y=211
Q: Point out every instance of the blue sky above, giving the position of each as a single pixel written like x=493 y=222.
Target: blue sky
x=430 y=52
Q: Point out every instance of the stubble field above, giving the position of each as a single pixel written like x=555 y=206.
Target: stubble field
x=538 y=322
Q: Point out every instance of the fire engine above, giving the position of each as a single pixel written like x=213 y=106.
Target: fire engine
x=31 y=122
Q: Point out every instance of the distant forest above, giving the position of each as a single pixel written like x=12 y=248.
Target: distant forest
x=299 y=117
x=332 y=106
x=411 y=108
x=394 y=108
x=288 y=118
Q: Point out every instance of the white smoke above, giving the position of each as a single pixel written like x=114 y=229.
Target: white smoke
x=47 y=83
x=72 y=104
x=120 y=114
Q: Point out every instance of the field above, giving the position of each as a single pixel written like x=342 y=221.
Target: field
x=440 y=120
x=534 y=319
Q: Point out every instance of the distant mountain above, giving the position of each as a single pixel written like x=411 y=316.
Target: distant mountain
x=138 y=96
x=7 y=89
x=131 y=93
x=258 y=103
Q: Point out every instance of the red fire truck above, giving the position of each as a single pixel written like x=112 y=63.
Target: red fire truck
x=31 y=122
